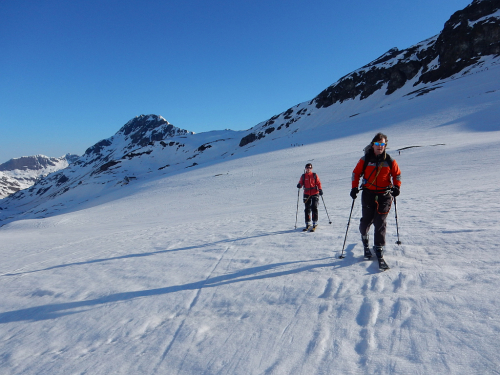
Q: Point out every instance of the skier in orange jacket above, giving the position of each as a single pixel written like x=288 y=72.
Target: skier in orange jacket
x=381 y=182
x=312 y=190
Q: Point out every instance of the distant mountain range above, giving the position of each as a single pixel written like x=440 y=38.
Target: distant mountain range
x=149 y=146
x=21 y=173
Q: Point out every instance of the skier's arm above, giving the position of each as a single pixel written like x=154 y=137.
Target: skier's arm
x=300 y=184
x=356 y=173
x=318 y=183
x=396 y=174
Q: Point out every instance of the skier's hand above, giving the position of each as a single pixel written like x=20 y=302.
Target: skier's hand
x=354 y=192
x=395 y=191
x=320 y=192
x=298 y=186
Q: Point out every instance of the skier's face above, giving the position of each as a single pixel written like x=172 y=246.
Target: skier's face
x=379 y=146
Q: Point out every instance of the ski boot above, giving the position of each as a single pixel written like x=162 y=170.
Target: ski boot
x=308 y=226
x=368 y=253
x=379 y=251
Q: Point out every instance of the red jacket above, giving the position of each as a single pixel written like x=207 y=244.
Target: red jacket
x=311 y=183
x=377 y=178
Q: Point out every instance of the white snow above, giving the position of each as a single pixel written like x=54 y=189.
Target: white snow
x=200 y=270
x=488 y=17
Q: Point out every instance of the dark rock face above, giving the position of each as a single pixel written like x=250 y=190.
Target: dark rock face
x=249 y=139
x=284 y=120
x=469 y=34
x=139 y=132
x=8 y=186
x=98 y=147
x=25 y=163
x=145 y=129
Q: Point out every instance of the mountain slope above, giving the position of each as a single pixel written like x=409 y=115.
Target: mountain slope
x=21 y=173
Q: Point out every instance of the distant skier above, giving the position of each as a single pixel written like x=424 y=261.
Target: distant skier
x=381 y=182
x=312 y=190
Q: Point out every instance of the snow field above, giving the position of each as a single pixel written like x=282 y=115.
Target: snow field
x=205 y=274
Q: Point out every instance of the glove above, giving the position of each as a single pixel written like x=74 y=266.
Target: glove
x=354 y=192
x=298 y=186
x=395 y=191
x=320 y=192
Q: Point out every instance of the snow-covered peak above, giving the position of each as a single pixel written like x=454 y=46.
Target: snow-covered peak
x=21 y=173
x=34 y=163
x=148 y=128
x=138 y=132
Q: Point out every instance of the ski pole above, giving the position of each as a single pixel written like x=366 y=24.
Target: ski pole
x=297 y=213
x=326 y=210
x=342 y=256
x=398 y=242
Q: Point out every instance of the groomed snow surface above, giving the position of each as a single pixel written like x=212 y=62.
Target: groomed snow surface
x=202 y=272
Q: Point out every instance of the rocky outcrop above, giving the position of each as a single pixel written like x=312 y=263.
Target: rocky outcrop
x=138 y=132
x=152 y=128
x=33 y=163
x=467 y=36
x=8 y=185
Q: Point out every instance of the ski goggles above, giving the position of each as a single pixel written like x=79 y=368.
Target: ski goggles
x=379 y=143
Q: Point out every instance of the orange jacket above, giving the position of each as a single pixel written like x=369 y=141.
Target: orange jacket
x=310 y=184
x=378 y=176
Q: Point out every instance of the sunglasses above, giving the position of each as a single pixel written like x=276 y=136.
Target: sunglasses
x=379 y=143
x=309 y=167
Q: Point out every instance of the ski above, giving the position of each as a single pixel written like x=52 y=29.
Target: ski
x=382 y=265
x=313 y=228
x=306 y=228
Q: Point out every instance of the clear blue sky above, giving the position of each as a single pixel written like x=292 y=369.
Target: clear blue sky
x=72 y=72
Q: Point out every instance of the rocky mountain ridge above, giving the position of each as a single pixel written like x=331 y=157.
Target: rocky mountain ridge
x=21 y=173
x=467 y=37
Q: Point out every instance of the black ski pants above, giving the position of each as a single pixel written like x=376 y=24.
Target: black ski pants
x=375 y=208
x=311 y=205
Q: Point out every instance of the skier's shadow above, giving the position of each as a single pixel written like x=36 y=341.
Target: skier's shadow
x=151 y=253
x=53 y=311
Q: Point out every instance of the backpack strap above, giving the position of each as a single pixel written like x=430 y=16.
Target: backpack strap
x=303 y=179
x=388 y=159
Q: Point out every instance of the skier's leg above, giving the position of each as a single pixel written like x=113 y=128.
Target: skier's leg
x=368 y=209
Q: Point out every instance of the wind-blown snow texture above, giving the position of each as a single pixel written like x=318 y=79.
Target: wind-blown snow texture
x=197 y=269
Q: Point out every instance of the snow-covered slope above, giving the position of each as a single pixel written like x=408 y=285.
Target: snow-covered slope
x=198 y=269
x=21 y=173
